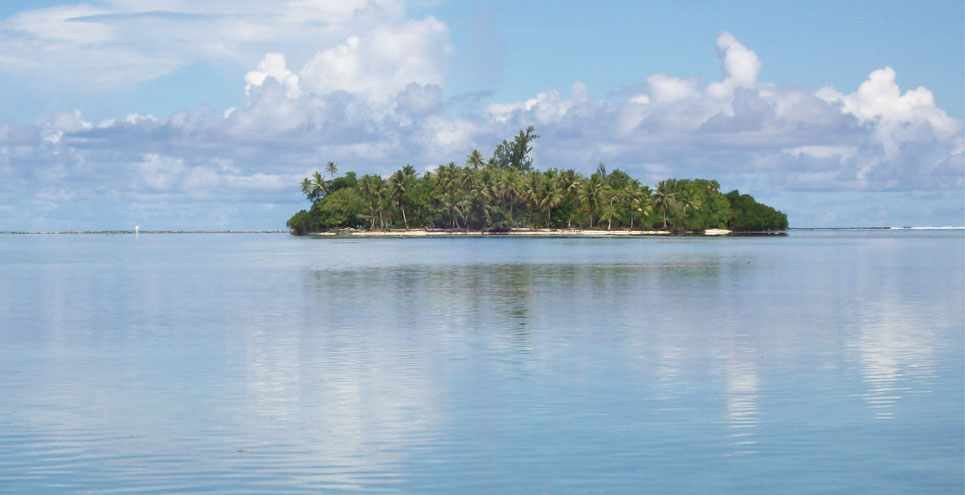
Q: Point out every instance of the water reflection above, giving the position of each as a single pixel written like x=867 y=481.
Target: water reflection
x=352 y=389
x=741 y=395
x=418 y=367
x=896 y=346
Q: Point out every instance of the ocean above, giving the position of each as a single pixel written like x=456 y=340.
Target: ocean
x=824 y=361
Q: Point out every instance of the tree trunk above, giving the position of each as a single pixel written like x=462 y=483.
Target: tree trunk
x=403 y=217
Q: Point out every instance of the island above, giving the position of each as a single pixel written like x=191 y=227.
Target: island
x=505 y=194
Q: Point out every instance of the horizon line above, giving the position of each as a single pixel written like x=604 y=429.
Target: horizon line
x=275 y=231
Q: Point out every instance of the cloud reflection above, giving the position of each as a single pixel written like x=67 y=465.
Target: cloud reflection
x=741 y=396
x=896 y=349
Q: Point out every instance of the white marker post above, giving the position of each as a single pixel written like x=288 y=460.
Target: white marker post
x=136 y=233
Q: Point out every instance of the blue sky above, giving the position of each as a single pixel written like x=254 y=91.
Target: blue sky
x=177 y=114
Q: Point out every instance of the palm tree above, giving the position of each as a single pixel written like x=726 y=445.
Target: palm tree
x=665 y=197
x=449 y=177
x=331 y=168
x=568 y=181
x=531 y=192
x=636 y=198
x=307 y=189
x=551 y=195
x=485 y=191
x=372 y=189
x=601 y=171
x=482 y=190
x=608 y=212
x=607 y=203
x=456 y=204
x=319 y=183
x=314 y=188
x=475 y=160
x=509 y=184
x=589 y=196
x=399 y=183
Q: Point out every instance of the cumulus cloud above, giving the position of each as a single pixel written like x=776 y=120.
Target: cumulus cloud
x=546 y=108
x=897 y=118
x=665 y=89
x=741 y=66
x=273 y=66
x=383 y=62
x=873 y=139
x=373 y=100
x=123 y=42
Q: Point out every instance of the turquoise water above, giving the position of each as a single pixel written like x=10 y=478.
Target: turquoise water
x=821 y=362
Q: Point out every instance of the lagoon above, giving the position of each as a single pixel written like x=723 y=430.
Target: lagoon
x=820 y=362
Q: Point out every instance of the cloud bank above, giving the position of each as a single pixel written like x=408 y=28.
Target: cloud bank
x=371 y=98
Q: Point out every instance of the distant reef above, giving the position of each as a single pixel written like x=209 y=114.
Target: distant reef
x=505 y=194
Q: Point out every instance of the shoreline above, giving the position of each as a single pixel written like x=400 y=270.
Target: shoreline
x=541 y=233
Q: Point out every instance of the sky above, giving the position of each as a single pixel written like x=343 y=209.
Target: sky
x=176 y=114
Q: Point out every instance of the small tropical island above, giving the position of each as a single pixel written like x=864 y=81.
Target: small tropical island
x=505 y=194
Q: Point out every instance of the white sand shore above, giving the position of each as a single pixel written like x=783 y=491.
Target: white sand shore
x=511 y=233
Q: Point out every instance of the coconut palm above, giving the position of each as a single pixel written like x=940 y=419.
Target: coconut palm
x=511 y=189
x=601 y=171
x=399 y=184
x=482 y=190
x=568 y=181
x=449 y=176
x=475 y=160
x=532 y=183
x=314 y=188
x=457 y=204
x=608 y=212
x=372 y=189
x=551 y=195
x=636 y=199
x=665 y=197
x=331 y=169
x=589 y=196
x=307 y=189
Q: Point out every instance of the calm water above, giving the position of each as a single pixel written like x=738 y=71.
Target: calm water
x=822 y=362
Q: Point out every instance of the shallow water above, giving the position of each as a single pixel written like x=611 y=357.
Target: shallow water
x=821 y=362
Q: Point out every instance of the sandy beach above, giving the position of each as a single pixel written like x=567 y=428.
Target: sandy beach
x=511 y=233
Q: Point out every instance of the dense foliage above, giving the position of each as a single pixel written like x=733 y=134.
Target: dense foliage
x=749 y=215
x=505 y=192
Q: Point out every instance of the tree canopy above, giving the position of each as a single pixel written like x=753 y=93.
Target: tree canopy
x=506 y=192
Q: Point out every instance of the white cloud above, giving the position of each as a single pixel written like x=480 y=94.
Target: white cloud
x=741 y=67
x=124 y=42
x=382 y=62
x=449 y=137
x=873 y=139
x=273 y=66
x=59 y=24
x=373 y=101
x=665 y=89
x=547 y=107
x=842 y=153
x=897 y=118
x=160 y=173
x=741 y=64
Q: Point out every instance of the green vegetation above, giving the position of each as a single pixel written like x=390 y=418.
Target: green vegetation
x=505 y=191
